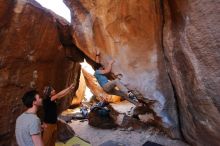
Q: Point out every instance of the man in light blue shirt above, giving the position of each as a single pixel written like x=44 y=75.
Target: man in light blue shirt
x=28 y=125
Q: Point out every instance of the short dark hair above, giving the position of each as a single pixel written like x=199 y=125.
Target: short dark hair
x=97 y=66
x=29 y=98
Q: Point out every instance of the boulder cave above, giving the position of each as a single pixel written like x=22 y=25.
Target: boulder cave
x=165 y=50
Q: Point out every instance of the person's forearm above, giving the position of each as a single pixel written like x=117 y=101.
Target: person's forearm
x=63 y=92
x=39 y=143
x=97 y=58
x=37 y=140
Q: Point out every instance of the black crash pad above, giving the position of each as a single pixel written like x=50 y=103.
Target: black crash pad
x=149 y=143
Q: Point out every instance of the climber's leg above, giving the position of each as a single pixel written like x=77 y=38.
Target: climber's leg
x=123 y=91
x=115 y=83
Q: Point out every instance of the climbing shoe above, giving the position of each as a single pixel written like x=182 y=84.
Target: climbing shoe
x=132 y=96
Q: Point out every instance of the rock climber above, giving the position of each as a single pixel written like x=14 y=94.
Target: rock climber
x=109 y=86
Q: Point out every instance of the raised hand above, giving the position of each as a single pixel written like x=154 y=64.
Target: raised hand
x=112 y=61
x=97 y=52
x=71 y=86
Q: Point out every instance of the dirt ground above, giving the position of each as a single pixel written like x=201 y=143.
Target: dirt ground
x=127 y=137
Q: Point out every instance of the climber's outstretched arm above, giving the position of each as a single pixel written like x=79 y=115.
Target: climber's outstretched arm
x=97 y=57
x=62 y=93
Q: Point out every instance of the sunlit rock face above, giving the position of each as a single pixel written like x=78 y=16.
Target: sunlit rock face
x=192 y=48
x=130 y=33
x=31 y=55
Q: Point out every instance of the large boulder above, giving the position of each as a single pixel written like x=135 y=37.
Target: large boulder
x=130 y=33
x=192 y=50
x=123 y=115
x=31 y=56
x=100 y=118
x=168 y=51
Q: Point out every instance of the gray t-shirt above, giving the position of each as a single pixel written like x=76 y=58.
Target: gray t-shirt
x=27 y=124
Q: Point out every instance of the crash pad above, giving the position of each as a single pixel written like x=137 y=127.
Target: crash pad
x=74 y=141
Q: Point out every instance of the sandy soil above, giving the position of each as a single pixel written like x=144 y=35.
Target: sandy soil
x=127 y=137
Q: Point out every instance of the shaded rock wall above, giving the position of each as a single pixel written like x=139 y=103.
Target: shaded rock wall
x=192 y=50
x=31 y=56
x=130 y=33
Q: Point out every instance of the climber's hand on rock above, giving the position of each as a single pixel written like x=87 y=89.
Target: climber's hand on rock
x=112 y=61
x=97 y=52
x=140 y=104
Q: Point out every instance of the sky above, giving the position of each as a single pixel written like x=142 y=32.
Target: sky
x=57 y=6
